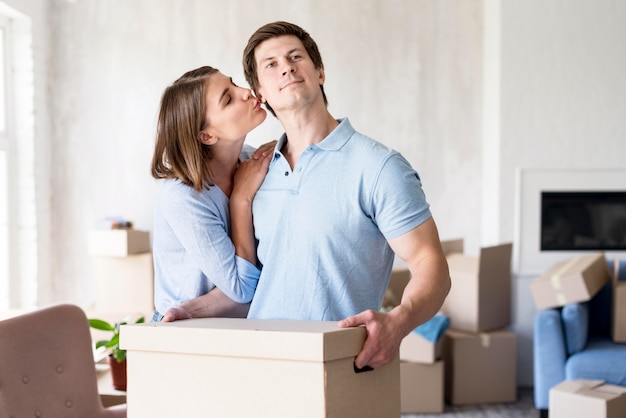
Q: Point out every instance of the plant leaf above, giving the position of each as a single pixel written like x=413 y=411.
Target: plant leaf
x=101 y=343
x=100 y=324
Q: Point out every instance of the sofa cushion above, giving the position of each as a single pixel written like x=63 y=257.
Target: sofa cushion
x=602 y=359
x=575 y=317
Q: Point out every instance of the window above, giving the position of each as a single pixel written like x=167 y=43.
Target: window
x=18 y=219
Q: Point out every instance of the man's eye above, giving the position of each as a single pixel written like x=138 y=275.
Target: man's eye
x=270 y=65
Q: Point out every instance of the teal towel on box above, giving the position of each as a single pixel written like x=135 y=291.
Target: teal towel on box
x=433 y=329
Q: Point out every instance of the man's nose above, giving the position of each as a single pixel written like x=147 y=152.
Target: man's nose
x=288 y=69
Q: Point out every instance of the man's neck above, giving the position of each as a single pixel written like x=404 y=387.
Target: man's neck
x=304 y=129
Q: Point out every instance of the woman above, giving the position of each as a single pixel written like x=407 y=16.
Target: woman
x=203 y=121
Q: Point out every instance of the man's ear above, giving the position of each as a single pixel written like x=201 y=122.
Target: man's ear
x=206 y=138
x=322 y=76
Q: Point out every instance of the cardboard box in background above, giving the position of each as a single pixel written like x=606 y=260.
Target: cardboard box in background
x=421 y=387
x=619 y=304
x=587 y=398
x=575 y=280
x=480 y=368
x=284 y=368
x=453 y=246
x=415 y=348
x=124 y=284
x=118 y=242
x=400 y=277
x=480 y=297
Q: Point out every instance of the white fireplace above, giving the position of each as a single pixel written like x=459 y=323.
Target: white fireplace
x=528 y=258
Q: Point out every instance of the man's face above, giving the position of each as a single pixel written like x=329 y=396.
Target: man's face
x=287 y=76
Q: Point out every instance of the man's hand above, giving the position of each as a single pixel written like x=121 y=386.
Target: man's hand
x=175 y=314
x=382 y=344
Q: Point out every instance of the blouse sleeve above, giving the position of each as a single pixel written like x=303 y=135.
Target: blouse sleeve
x=202 y=228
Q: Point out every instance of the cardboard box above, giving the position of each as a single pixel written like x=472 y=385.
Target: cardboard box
x=124 y=284
x=227 y=367
x=452 y=246
x=574 y=280
x=397 y=282
x=400 y=275
x=417 y=349
x=480 y=368
x=118 y=242
x=619 y=304
x=421 y=387
x=587 y=398
x=480 y=297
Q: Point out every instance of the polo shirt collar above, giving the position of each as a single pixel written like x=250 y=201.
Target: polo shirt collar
x=333 y=142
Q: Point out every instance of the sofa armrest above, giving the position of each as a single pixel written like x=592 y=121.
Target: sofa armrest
x=575 y=317
x=549 y=354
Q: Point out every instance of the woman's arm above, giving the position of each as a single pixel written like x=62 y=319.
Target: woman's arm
x=248 y=179
x=212 y=304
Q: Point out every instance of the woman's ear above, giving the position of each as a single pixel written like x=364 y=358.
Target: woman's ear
x=206 y=138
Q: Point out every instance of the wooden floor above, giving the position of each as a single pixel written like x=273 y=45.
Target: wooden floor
x=523 y=408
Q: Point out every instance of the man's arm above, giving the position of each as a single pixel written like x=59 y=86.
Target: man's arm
x=423 y=296
x=212 y=304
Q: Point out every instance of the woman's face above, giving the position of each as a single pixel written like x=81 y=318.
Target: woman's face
x=232 y=111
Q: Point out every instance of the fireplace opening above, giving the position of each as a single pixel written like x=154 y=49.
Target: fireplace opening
x=583 y=221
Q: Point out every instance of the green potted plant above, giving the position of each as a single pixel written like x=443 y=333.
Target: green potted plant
x=116 y=356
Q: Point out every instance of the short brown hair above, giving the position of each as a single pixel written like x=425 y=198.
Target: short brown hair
x=274 y=30
x=178 y=153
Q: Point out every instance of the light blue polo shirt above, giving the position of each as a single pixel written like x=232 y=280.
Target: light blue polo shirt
x=323 y=227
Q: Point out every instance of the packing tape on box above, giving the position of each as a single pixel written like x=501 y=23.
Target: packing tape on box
x=561 y=299
x=555 y=279
x=485 y=340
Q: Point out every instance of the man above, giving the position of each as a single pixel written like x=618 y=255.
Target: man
x=334 y=208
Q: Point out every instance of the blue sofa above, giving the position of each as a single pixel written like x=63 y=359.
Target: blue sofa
x=574 y=342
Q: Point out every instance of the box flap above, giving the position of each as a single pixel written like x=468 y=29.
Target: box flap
x=495 y=262
x=579 y=385
x=463 y=264
x=252 y=338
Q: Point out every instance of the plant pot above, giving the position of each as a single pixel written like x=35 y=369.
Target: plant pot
x=118 y=373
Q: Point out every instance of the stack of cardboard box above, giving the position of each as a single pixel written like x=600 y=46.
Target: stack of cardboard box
x=123 y=270
x=480 y=355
